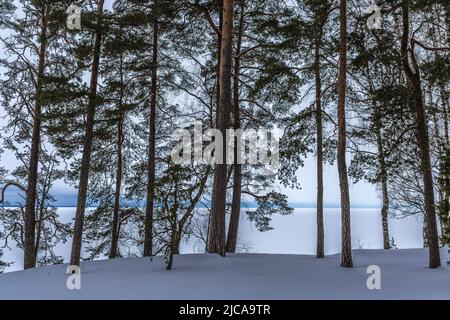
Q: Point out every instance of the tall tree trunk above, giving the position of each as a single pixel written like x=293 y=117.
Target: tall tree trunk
x=346 y=253
x=219 y=55
x=117 y=192
x=214 y=121
x=216 y=239
x=422 y=140
x=31 y=194
x=383 y=181
x=382 y=166
x=87 y=144
x=148 y=242
x=233 y=227
x=319 y=137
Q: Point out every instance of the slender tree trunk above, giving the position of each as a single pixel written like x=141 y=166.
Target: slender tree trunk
x=445 y=210
x=38 y=231
x=219 y=55
x=319 y=137
x=148 y=242
x=422 y=140
x=117 y=194
x=214 y=121
x=346 y=254
x=31 y=194
x=176 y=246
x=383 y=181
x=39 y=222
x=173 y=241
x=87 y=144
x=233 y=227
x=216 y=240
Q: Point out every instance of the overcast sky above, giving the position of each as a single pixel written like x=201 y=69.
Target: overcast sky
x=361 y=194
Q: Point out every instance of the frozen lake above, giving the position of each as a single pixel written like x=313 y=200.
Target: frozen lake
x=294 y=234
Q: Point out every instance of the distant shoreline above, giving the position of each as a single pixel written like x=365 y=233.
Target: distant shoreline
x=243 y=208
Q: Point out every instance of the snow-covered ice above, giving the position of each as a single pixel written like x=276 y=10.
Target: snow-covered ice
x=404 y=275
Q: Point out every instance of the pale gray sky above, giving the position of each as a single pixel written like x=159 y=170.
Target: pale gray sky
x=361 y=194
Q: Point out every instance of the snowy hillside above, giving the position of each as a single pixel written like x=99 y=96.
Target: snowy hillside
x=243 y=276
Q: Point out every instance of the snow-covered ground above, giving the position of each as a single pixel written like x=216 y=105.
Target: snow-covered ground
x=242 y=276
x=292 y=234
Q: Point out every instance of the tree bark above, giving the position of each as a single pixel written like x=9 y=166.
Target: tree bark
x=41 y=210
x=383 y=182
x=422 y=140
x=233 y=227
x=216 y=239
x=87 y=144
x=319 y=137
x=346 y=252
x=148 y=242
x=31 y=194
x=117 y=192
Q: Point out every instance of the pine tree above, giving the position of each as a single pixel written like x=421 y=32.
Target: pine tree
x=413 y=74
x=232 y=235
x=346 y=253
x=263 y=91
x=27 y=47
x=113 y=144
x=376 y=136
x=88 y=138
x=148 y=241
x=217 y=225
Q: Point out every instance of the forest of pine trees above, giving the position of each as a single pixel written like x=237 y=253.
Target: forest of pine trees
x=96 y=107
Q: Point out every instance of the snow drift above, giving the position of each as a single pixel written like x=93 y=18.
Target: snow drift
x=404 y=275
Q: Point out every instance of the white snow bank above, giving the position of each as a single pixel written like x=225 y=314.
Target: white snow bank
x=404 y=275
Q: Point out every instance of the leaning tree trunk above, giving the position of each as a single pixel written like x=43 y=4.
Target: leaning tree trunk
x=216 y=239
x=422 y=140
x=148 y=241
x=237 y=177
x=87 y=144
x=346 y=254
x=319 y=137
x=31 y=194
